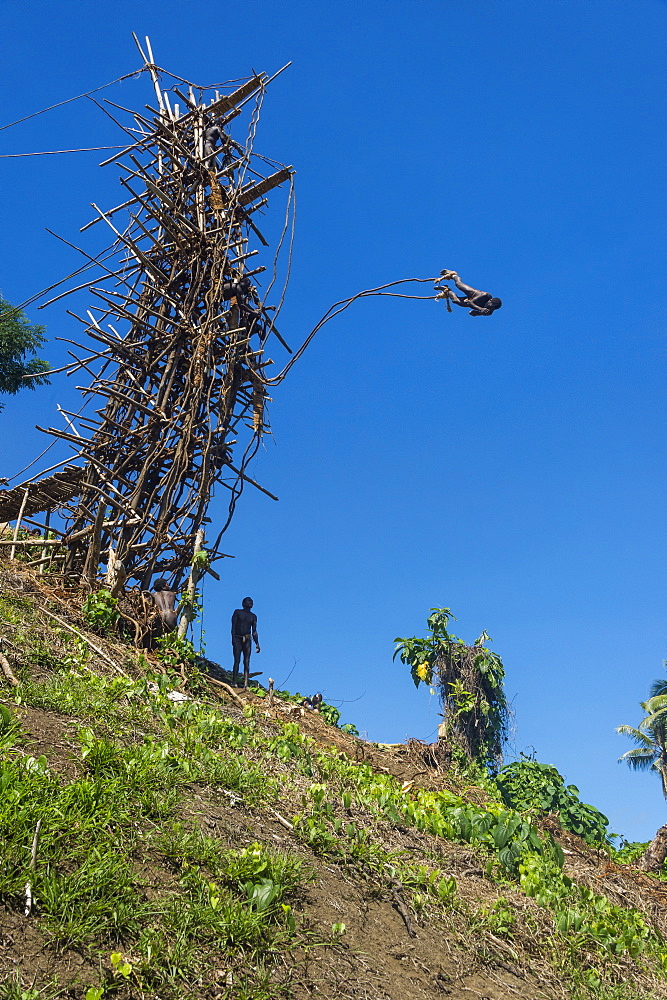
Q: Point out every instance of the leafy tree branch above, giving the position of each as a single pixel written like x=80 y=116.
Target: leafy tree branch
x=19 y=339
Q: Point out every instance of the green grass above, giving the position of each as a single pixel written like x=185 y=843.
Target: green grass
x=117 y=871
x=120 y=870
x=15 y=988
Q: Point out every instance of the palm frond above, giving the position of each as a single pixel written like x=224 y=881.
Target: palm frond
x=650 y=736
x=639 y=760
x=655 y=726
x=639 y=737
x=656 y=714
x=656 y=701
x=658 y=688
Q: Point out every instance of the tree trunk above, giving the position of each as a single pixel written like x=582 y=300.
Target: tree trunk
x=654 y=856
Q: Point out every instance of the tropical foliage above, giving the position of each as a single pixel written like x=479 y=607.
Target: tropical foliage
x=18 y=340
x=100 y=611
x=469 y=679
x=650 y=738
x=529 y=785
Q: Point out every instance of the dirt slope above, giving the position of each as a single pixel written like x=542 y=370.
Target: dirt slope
x=236 y=850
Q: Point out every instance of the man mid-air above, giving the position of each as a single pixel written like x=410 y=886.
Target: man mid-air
x=479 y=303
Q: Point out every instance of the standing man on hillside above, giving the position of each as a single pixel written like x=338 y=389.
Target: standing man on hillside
x=244 y=631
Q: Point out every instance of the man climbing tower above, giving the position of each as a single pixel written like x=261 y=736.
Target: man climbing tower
x=244 y=629
x=241 y=289
x=213 y=135
x=479 y=303
x=251 y=312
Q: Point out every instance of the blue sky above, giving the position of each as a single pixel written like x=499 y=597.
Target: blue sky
x=510 y=468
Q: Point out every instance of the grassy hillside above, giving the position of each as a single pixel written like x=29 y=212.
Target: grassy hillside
x=164 y=837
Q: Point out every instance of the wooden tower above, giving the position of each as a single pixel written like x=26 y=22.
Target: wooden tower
x=175 y=341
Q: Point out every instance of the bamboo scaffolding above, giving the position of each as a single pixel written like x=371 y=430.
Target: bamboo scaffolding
x=182 y=383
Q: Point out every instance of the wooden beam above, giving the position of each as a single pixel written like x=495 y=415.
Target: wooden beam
x=256 y=190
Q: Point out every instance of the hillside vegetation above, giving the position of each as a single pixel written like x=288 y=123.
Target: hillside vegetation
x=162 y=836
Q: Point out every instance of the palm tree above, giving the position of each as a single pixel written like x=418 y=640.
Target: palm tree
x=650 y=738
x=657 y=699
x=650 y=753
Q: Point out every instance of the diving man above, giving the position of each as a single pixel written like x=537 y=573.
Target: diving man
x=479 y=303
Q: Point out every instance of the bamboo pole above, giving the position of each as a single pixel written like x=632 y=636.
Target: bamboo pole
x=18 y=522
x=46 y=535
x=93 y=558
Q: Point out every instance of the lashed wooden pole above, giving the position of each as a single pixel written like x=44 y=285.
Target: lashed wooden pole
x=18 y=522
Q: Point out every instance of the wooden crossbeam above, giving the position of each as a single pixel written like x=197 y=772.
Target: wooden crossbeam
x=224 y=104
x=255 y=191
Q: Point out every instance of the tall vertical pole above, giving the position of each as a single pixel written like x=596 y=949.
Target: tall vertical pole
x=195 y=574
x=46 y=535
x=18 y=522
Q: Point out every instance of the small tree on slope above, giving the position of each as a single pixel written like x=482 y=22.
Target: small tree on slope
x=469 y=679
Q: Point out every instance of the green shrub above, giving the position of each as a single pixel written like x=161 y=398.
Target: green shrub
x=100 y=611
x=529 y=785
x=174 y=651
x=629 y=851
